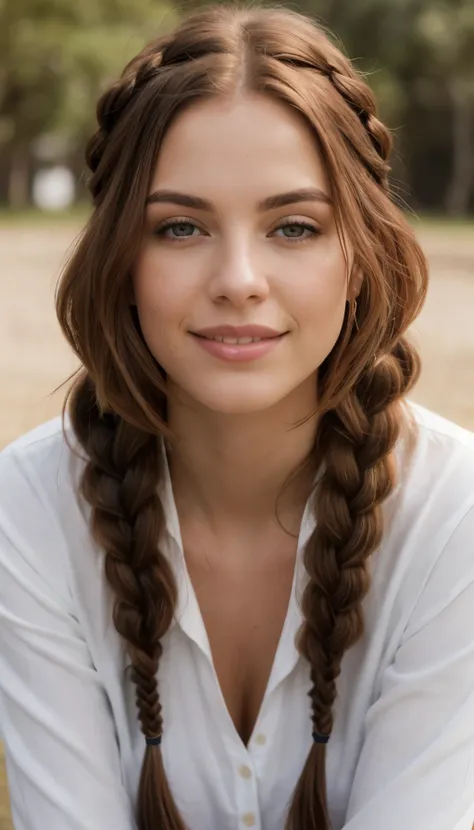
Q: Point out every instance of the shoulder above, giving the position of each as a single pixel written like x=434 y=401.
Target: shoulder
x=42 y=465
x=39 y=473
x=440 y=469
x=441 y=434
x=30 y=443
x=38 y=457
x=426 y=555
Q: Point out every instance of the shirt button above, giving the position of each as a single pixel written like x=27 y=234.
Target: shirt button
x=248 y=819
x=261 y=739
x=246 y=773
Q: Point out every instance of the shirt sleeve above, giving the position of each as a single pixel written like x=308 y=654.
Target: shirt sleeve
x=416 y=766
x=62 y=754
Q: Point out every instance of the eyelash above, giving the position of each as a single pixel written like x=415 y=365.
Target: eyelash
x=159 y=232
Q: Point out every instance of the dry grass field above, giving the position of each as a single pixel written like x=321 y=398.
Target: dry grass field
x=34 y=359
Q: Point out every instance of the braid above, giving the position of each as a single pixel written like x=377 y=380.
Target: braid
x=161 y=54
x=356 y=440
x=120 y=483
x=361 y=100
x=115 y=100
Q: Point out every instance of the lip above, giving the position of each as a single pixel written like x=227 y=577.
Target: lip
x=264 y=332
x=239 y=352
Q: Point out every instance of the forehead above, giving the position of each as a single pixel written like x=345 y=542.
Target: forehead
x=252 y=144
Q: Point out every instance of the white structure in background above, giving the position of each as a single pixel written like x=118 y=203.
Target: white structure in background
x=54 y=188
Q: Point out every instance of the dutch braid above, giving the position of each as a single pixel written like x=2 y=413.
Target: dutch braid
x=119 y=483
x=116 y=100
x=360 y=99
x=356 y=440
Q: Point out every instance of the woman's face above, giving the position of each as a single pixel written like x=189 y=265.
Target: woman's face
x=224 y=251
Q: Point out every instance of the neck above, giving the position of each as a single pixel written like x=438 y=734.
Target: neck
x=229 y=468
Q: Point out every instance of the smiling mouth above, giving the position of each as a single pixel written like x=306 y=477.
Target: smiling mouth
x=238 y=349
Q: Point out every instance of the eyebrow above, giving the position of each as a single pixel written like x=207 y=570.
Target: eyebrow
x=303 y=194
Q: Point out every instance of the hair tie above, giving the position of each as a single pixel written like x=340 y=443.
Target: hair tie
x=318 y=738
x=154 y=741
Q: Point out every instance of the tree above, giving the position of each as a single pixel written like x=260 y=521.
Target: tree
x=55 y=56
x=446 y=31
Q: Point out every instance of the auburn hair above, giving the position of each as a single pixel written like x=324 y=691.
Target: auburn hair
x=117 y=404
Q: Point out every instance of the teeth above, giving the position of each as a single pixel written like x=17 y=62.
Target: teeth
x=237 y=340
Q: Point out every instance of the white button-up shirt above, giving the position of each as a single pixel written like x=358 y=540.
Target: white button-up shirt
x=401 y=756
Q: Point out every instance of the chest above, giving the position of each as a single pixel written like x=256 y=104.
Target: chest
x=243 y=603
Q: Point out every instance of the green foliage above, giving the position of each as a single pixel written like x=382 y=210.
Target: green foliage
x=56 y=54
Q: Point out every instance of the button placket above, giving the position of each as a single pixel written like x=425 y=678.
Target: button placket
x=247 y=796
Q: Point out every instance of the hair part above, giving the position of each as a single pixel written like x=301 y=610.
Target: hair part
x=118 y=403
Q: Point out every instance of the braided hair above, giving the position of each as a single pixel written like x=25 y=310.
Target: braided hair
x=117 y=404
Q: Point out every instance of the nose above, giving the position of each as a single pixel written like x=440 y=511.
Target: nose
x=237 y=278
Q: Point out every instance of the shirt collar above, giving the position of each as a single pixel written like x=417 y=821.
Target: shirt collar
x=187 y=612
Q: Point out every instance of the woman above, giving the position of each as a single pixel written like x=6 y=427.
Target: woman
x=243 y=507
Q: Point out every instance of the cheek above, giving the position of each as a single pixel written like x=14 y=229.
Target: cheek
x=160 y=295
x=320 y=291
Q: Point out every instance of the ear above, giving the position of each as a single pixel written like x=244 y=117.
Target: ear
x=355 y=283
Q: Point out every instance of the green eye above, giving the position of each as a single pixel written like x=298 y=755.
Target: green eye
x=182 y=225
x=299 y=227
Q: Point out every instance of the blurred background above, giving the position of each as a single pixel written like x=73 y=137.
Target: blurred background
x=55 y=58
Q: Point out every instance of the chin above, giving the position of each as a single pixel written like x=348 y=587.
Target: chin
x=241 y=398
x=242 y=406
